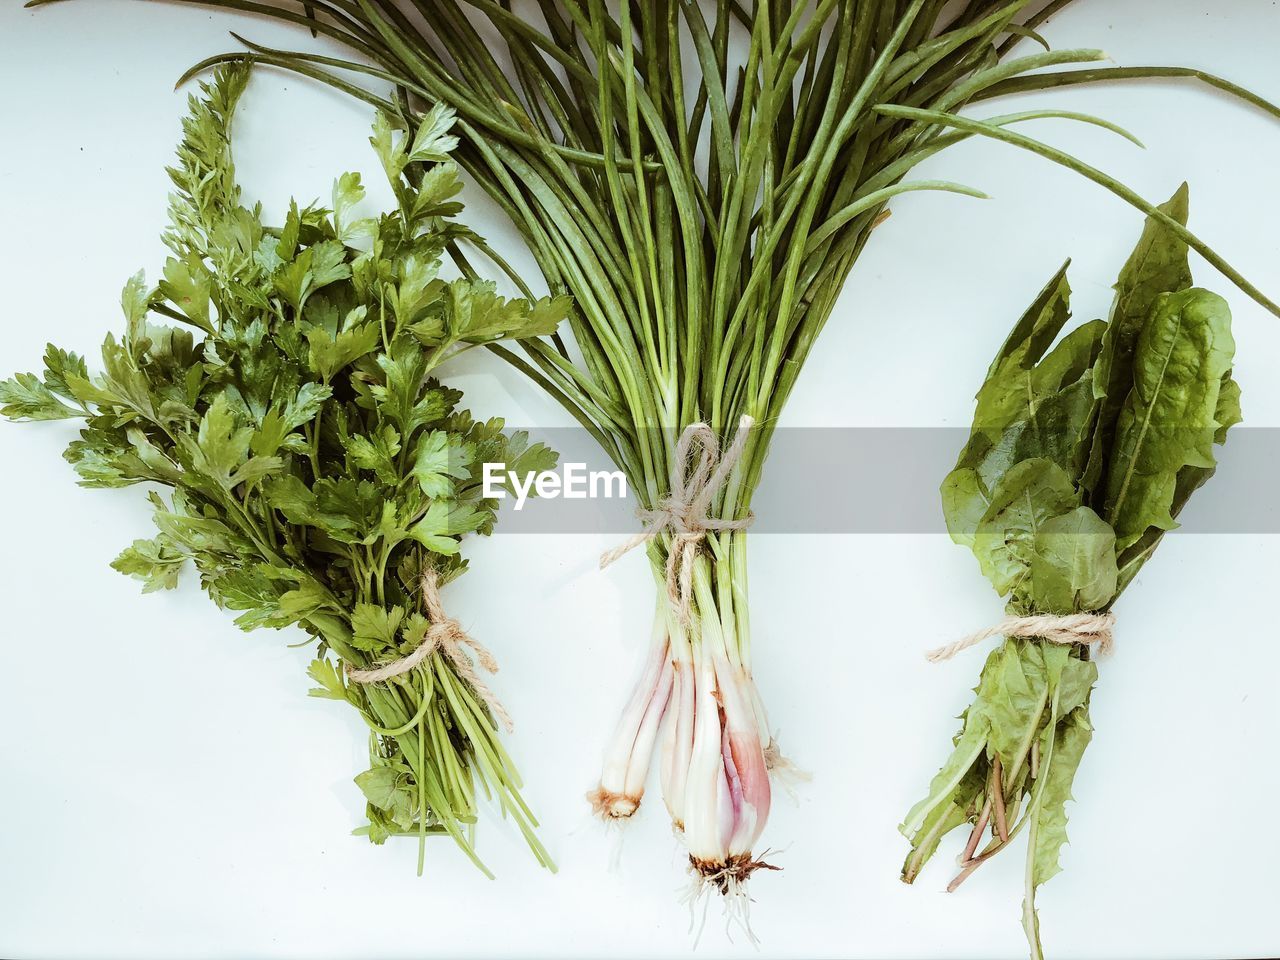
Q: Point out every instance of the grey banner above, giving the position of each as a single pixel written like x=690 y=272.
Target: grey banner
x=882 y=480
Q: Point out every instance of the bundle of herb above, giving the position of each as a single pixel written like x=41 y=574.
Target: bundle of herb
x=700 y=176
x=318 y=475
x=1082 y=453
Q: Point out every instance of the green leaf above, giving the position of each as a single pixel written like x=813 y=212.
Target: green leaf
x=1015 y=690
x=440 y=458
x=348 y=505
x=936 y=821
x=1168 y=421
x=1056 y=427
x=442 y=523
x=279 y=422
x=221 y=445
x=253 y=590
x=374 y=628
x=255 y=469
x=26 y=397
x=434 y=193
x=1073 y=567
x=1031 y=405
x=1003 y=396
x=286 y=247
x=419 y=288
x=99 y=458
x=1158 y=265
x=123 y=384
x=1026 y=496
x=305 y=405
x=327 y=355
x=389 y=147
x=61 y=366
x=545 y=316
x=348 y=191
x=379 y=785
x=155 y=562
x=416 y=628
x=488 y=444
x=294 y=280
x=522 y=457
x=1228 y=412
x=474 y=313
x=293 y=498
x=326 y=674
x=387 y=788
x=1190 y=479
x=328 y=264
x=257 y=590
x=949 y=784
x=148 y=461
x=308 y=598
x=170 y=351
x=964 y=502
x=405 y=399
x=315 y=267
x=1058 y=384
x=135 y=302
x=376 y=452
x=188 y=285
x=197 y=534
x=1069 y=361
x=1070 y=737
x=433 y=143
x=1075 y=684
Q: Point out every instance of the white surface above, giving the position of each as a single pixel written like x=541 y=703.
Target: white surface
x=167 y=789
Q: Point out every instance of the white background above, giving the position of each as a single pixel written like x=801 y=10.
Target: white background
x=167 y=789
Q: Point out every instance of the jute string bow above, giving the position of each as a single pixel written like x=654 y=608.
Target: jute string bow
x=1086 y=628
x=446 y=636
x=695 y=480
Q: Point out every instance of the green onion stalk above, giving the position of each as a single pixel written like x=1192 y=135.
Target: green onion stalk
x=700 y=177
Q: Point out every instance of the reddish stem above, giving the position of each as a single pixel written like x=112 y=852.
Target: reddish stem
x=997 y=793
x=976 y=835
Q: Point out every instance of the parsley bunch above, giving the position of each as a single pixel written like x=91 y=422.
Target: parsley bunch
x=315 y=469
x=1079 y=461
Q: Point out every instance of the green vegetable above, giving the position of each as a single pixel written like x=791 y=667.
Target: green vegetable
x=1084 y=448
x=316 y=470
x=701 y=178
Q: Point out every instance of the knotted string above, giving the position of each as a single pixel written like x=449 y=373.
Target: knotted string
x=446 y=636
x=695 y=481
x=1086 y=628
